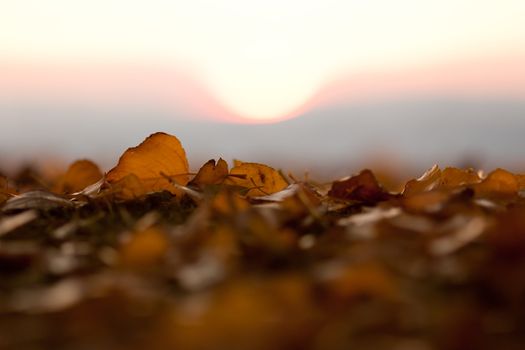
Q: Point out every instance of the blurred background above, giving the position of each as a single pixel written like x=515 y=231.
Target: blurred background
x=321 y=86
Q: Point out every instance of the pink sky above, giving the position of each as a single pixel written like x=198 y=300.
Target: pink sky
x=179 y=93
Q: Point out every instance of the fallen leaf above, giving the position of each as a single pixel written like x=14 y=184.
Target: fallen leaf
x=260 y=179
x=454 y=177
x=159 y=159
x=521 y=181
x=80 y=174
x=362 y=187
x=499 y=183
x=211 y=173
x=129 y=187
x=427 y=182
x=41 y=200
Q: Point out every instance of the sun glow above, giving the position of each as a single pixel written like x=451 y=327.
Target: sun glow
x=261 y=59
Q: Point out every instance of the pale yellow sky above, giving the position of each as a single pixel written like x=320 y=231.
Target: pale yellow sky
x=261 y=59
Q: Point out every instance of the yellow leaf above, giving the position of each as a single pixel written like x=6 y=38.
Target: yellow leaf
x=260 y=179
x=211 y=173
x=156 y=162
x=80 y=174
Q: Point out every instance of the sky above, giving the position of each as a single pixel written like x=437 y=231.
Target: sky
x=111 y=71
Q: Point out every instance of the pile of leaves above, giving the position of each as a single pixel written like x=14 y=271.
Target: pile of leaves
x=150 y=256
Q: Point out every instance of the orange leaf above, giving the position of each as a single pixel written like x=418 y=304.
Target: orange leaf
x=259 y=178
x=157 y=157
x=427 y=182
x=454 y=177
x=129 y=187
x=80 y=174
x=211 y=173
x=521 y=181
x=499 y=183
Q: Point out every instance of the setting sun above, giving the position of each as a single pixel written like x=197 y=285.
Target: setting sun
x=261 y=60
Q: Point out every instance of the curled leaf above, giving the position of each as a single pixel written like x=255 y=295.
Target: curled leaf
x=40 y=200
x=260 y=179
x=362 y=187
x=211 y=173
x=435 y=178
x=159 y=159
x=427 y=182
x=499 y=183
x=79 y=175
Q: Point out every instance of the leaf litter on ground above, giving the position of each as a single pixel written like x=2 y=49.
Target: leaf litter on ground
x=151 y=256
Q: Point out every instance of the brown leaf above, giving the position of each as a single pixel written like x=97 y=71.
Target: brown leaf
x=499 y=183
x=454 y=177
x=157 y=160
x=80 y=174
x=260 y=179
x=427 y=182
x=211 y=173
x=362 y=187
x=436 y=178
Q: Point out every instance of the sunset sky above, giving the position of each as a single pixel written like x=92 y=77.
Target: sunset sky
x=146 y=65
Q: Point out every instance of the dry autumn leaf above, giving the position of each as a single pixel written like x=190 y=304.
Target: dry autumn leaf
x=156 y=162
x=435 y=178
x=79 y=175
x=129 y=187
x=499 y=183
x=440 y=266
x=362 y=187
x=454 y=177
x=211 y=173
x=260 y=179
x=427 y=182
